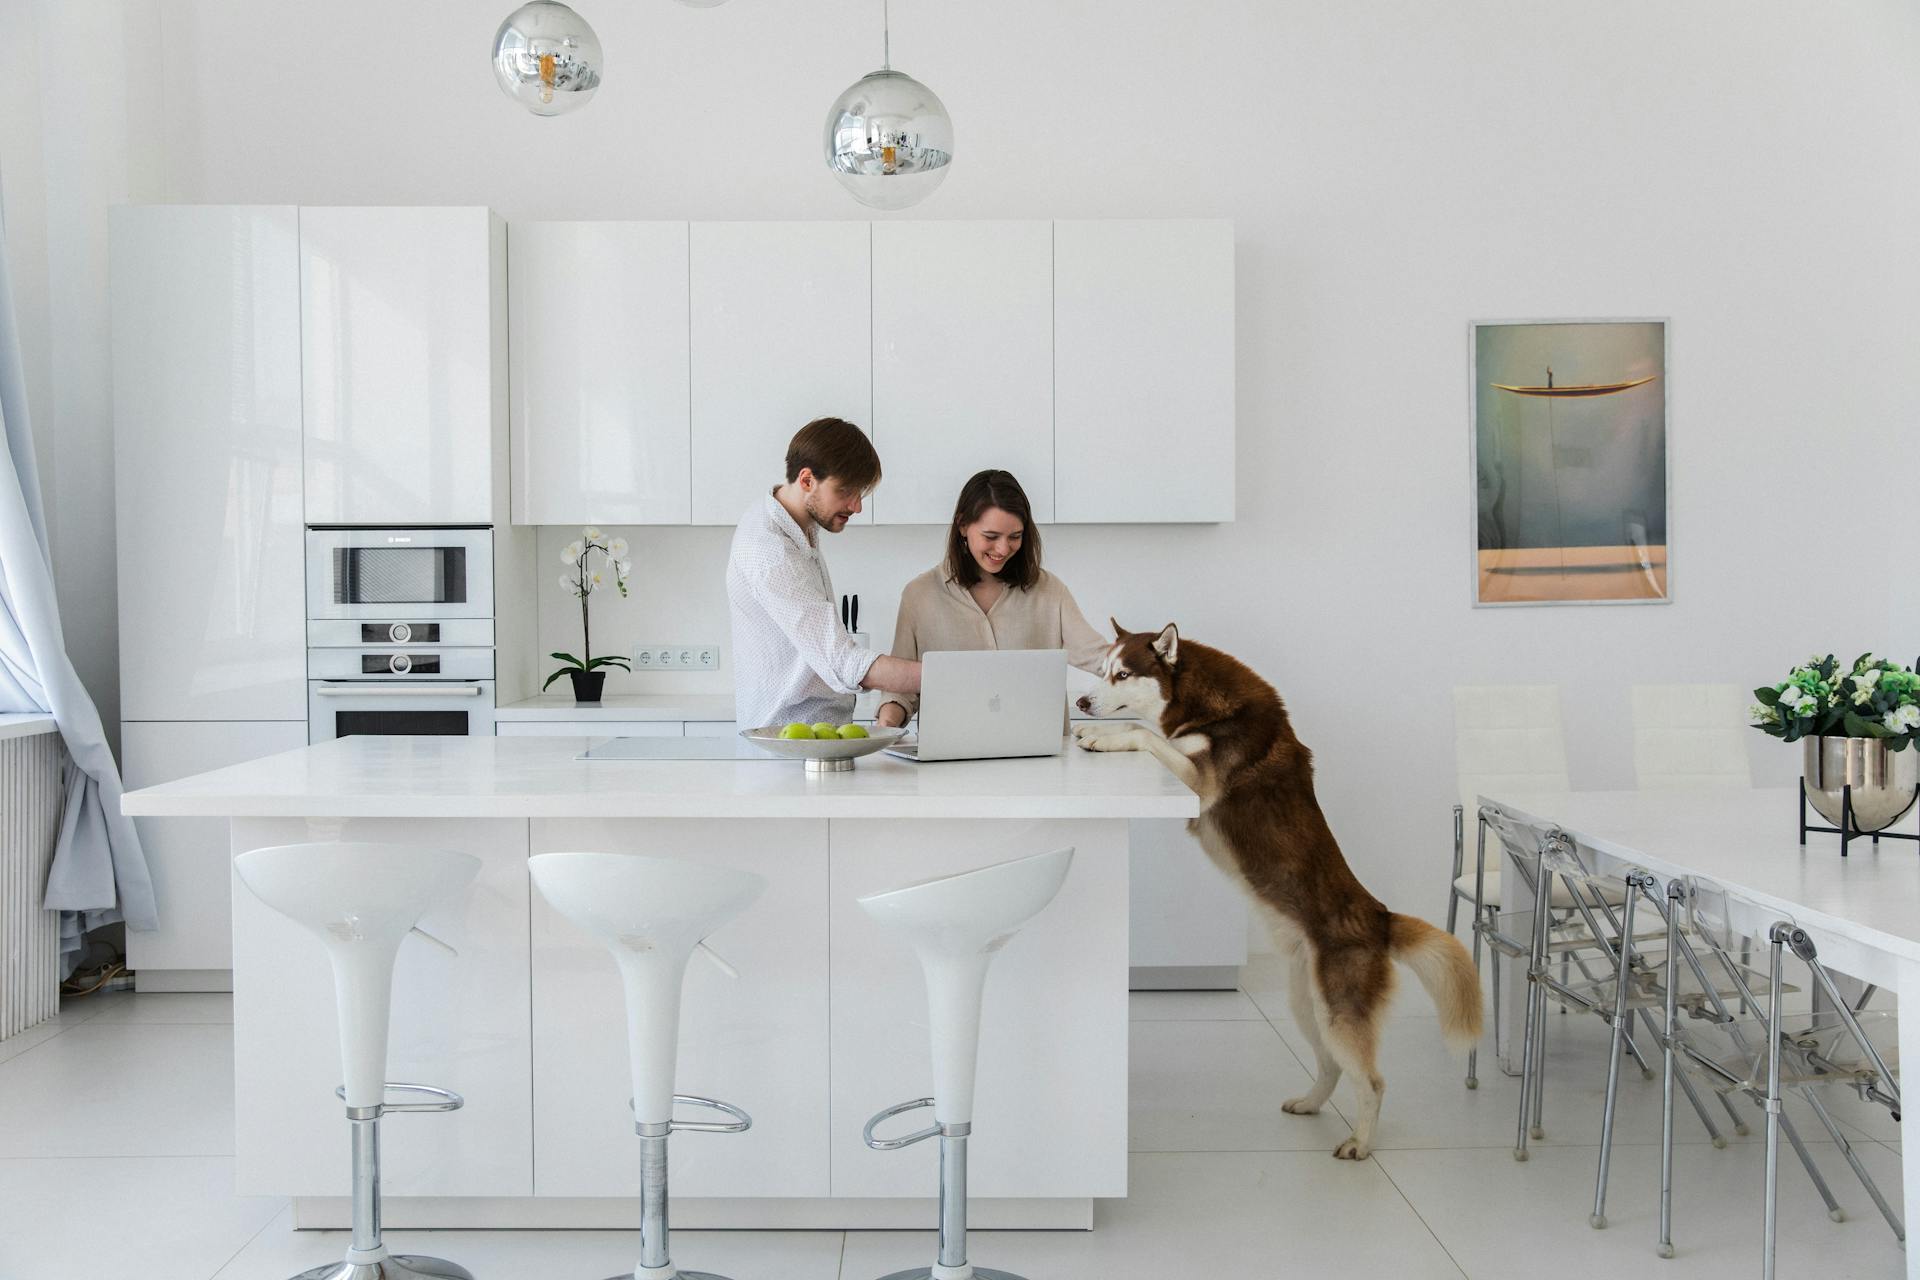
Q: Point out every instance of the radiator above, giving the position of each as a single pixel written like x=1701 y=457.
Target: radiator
x=31 y=793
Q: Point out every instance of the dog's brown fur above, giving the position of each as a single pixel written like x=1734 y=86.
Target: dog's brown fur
x=1225 y=732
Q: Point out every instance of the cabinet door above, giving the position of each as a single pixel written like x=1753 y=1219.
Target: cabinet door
x=403 y=390
x=962 y=362
x=1185 y=913
x=188 y=857
x=781 y=319
x=600 y=384
x=1143 y=359
x=206 y=413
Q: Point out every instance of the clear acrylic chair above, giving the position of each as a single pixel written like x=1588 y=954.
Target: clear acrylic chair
x=1752 y=1047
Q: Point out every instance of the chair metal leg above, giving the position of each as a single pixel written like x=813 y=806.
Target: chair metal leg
x=1777 y=937
x=1538 y=1128
x=367 y=1257
x=1853 y=1162
x=1535 y=1002
x=1473 y=1054
x=1622 y=977
x=1668 y=1068
x=953 y=1216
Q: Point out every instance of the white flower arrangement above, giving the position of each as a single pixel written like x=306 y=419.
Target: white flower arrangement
x=582 y=579
x=1873 y=698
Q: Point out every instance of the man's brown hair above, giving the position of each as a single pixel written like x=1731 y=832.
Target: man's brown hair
x=833 y=448
x=985 y=491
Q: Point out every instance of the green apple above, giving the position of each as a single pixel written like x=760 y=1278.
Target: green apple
x=797 y=730
x=825 y=730
x=852 y=731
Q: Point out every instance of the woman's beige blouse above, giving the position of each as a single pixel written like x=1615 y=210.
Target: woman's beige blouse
x=938 y=613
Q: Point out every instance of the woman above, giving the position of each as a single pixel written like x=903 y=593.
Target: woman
x=990 y=591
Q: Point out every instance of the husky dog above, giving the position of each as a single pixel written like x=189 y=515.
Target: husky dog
x=1224 y=732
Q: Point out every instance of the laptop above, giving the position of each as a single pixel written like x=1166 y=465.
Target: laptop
x=988 y=704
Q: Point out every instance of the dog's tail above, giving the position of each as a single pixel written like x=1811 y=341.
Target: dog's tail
x=1446 y=971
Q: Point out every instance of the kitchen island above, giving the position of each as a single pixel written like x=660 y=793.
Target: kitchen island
x=824 y=1026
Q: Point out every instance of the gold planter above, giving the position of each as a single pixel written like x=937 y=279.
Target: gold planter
x=1882 y=780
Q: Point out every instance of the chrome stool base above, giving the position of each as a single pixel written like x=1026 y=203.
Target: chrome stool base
x=399 y=1266
x=678 y=1275
x=979 y=1273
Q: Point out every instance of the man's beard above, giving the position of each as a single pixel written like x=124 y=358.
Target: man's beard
x=813 y=513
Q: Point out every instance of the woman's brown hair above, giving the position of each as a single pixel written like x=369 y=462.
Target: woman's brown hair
x=979 y=495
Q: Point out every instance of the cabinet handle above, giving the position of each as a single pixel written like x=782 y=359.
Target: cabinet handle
x=399 y=690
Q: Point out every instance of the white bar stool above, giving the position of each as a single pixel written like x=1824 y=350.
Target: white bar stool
x=360 y=900
x=956 y=924
x=652 y=913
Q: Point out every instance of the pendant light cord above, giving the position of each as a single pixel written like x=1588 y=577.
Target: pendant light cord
x=886 y=37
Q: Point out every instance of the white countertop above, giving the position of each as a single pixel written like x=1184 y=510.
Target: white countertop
x=24 y=724
x=1749 y=842
x=621 y=706
x=520 y=777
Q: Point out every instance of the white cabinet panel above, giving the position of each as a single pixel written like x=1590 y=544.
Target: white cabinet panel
x=1051 y=1100
x=460 y=1022
x=403 y=357
x=600 y=383
x=189 y=857
x=1143 y=359
x=962 y=362
x=1186 y=913
x=781 y=322
x=759 y=1042
x=589 y=728
x=206 y=389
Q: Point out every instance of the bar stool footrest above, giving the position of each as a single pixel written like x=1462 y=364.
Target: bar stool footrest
x=907 y=1140
x=447 y=1099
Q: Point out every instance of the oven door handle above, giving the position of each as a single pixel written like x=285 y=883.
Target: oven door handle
x=398 y=690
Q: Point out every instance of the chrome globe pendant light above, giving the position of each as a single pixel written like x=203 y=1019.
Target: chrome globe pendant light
x=547 y=58
x=889 y=138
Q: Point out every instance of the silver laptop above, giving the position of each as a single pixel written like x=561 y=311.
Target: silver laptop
x=985 y=704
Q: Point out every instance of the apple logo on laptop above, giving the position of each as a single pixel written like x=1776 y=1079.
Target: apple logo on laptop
x=993 y=704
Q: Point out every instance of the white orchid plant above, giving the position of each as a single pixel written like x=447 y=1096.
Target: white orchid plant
x=1873 y=698
x=582 y=578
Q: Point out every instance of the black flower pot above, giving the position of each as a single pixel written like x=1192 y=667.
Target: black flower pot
x=587 y=685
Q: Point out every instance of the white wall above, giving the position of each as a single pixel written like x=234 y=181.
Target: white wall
x=1394 y=170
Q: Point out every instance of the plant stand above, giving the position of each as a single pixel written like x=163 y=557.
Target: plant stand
x=1848 y=829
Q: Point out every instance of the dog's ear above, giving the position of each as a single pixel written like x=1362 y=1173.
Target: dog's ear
x=1167 y=644
x=1119 y=632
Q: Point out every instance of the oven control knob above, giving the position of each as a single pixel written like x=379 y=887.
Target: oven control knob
x=400 y=633
x=400 y=664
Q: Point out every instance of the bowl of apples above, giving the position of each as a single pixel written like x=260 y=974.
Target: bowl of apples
x=827 y=748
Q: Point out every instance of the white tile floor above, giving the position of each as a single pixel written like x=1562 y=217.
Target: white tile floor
x=116 y=1142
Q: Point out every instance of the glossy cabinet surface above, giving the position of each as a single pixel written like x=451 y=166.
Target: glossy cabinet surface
x=402 y=330
x=780 y=336
x=601 y=389
x=206 y=391
x=1143 y=371
x=962 y=362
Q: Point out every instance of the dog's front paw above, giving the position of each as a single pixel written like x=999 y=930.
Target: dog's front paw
x=1106 y=737
x=1352 y=1149
x=1085 y=735
x=1300 y=1107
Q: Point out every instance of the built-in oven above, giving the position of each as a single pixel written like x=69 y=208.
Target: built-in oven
x=423 y=573
x=399 y=632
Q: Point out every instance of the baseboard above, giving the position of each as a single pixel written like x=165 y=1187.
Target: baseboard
x=557 y=1213
x=1184 y=977
x=174 y=980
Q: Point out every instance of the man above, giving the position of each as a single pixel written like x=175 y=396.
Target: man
x=792 y=659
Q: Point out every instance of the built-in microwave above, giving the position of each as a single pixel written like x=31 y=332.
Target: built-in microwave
x=344 y=708
x=426 y=572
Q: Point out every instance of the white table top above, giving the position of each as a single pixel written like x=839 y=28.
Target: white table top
x=512 y=777
x=1749 y=842
x=621 y=706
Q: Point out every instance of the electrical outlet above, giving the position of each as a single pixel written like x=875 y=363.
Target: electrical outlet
x=676 y=657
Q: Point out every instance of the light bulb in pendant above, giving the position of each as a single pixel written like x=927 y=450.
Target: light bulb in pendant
x=547 y=58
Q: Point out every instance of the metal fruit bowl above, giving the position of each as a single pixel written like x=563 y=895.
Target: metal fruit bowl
x=823 y=755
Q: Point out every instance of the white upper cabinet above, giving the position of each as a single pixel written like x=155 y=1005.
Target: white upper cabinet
x=962 y=362
x=1143 y=371
x=206 y=396
x=600 y=384
x=781 y=335
x=403 y=340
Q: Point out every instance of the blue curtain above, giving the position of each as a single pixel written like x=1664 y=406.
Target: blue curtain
x=99 y=871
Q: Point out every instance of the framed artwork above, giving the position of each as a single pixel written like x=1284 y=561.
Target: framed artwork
x=1569 y=452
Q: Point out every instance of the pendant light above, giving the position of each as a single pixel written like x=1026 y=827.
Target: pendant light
x=889 y=139
x=547 y=58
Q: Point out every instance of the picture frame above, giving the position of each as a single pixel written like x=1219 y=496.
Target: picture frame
x=1570 y=461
